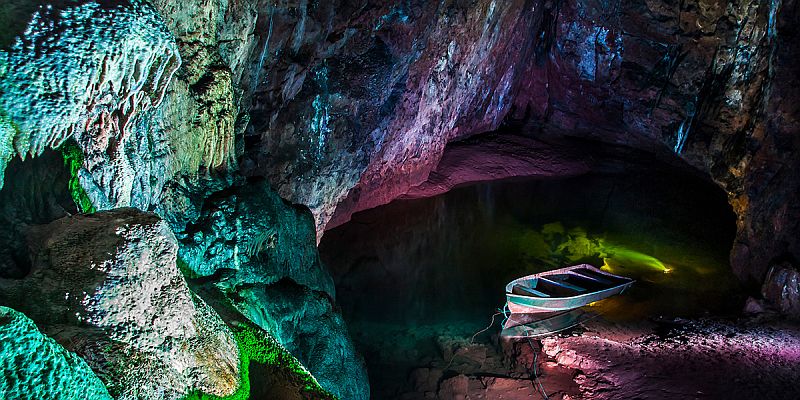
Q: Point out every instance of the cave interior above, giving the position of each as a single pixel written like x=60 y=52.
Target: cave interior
x=301 y=199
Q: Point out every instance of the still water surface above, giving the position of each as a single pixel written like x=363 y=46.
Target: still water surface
x=415 y=268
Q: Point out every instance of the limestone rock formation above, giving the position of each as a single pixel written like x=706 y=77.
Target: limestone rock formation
x=199 y=116
x=312 y=329
x=106 y=286
x=262 y=252
x=93 y=72
x=34 y=366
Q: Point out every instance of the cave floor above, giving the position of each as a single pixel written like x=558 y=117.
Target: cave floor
x=702 y=358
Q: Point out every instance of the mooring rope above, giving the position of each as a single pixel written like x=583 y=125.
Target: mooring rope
x=472 y=339
x=537 y=383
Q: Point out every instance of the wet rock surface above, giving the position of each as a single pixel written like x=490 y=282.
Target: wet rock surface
x=107 y=287
x=91 y=72
x=782 y=289
x=603 y=359
x=36 y=367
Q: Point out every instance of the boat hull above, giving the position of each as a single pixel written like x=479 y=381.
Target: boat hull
x=531 y=304
x=524 y=325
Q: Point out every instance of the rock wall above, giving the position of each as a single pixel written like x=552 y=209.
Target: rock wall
x=354 y=104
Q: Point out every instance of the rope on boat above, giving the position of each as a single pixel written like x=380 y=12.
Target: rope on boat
x=503 y=311
x=537 y=384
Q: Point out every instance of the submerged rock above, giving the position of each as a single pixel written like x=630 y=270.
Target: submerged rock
x=107 y=287
x=33 y=366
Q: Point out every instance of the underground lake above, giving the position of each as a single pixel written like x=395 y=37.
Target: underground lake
x=417 y=277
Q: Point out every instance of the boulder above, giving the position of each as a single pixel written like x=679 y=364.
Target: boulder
x=35 y=367
x=107 y=287
x=261 y=251
x=782 y=289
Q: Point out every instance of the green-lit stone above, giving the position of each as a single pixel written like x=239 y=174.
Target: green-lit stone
x=73 y=160
x=34 y=366
x=258 y=346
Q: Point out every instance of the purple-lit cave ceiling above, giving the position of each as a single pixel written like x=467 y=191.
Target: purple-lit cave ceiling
x=379 y=101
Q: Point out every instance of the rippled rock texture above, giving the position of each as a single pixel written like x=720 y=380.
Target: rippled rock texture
x=36 y=367
x=107 y=287
x=91 y=72
x=262 y=253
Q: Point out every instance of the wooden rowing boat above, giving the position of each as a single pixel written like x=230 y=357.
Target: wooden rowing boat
x=563 y=289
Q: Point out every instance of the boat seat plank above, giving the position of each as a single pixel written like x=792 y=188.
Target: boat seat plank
x=561 y=283
x=612 y=279
x=532 y=291
x=592 y=277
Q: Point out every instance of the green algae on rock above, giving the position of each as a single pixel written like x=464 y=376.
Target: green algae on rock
x=73 y=160
x=34 y=366
x=257 y=346
x=308 y=325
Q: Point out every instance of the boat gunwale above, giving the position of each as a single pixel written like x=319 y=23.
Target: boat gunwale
x=510 y=285
x=511 y=296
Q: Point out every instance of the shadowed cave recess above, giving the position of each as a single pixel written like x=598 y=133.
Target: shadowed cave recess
x=274 y=199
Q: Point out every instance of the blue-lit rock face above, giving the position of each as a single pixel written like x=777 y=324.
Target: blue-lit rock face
x=262 y=253
x=107 y=287
x=36 y=367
